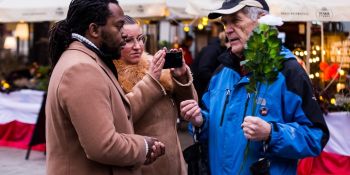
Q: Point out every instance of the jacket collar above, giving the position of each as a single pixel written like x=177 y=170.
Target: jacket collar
x=230 y=60
x=76 y=45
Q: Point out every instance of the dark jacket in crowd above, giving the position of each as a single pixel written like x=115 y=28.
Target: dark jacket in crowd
x=205 y=65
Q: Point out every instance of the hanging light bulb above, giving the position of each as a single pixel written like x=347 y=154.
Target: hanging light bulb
x=186 y=28
x=333 y=101
x=205 y=21
x=200 y=26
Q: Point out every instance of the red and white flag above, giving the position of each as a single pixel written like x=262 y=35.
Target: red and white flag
x=335 y=157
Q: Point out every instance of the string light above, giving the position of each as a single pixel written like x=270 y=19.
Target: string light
x=186 y=28
x=311 y=76
x=200 y=26
x=205 y=21
x=333 y=101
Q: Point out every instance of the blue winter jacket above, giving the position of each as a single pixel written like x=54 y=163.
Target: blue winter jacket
x=298 y=126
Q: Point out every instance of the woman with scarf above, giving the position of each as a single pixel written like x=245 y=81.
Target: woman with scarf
x=160 y=118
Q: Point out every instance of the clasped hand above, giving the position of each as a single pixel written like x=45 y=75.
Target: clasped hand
x=255 y=128
x=155 y=150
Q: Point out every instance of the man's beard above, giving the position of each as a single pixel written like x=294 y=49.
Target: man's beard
x=111 y=53
x=109 y=47
x=110 y=50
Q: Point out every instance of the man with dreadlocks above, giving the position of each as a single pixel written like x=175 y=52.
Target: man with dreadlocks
x=89 y=128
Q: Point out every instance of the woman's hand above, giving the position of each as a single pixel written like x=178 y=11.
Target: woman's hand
x=157 y=64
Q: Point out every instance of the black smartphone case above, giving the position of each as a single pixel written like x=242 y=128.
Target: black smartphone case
x=173 y=60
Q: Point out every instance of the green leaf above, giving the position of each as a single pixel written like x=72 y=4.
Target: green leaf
x=249 y=55
x=273 y=42
x=264 y=27
x=273 y=33
x=273 y=53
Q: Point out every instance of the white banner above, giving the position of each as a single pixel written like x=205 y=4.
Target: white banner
x=338 y=125
x=22 y=106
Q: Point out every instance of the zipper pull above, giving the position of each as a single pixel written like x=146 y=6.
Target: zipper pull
x=228 y=92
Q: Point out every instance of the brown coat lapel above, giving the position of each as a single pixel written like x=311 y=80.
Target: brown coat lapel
x=82 y=48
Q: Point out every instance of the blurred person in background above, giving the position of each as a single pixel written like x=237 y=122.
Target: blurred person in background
x=186 y=46
x=89 y=125
x=206 y=63
x=160 y=117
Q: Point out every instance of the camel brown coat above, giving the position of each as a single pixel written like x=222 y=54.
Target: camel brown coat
x=159 y=120
x=89 y=128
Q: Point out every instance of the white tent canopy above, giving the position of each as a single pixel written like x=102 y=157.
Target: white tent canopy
x=54 y=10
x=202 y=7
x=291 y=10
x=33 y=10
x=144 y=8
x=311 y=10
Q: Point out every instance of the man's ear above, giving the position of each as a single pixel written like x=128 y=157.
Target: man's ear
x=93 y=30
x=261 y=15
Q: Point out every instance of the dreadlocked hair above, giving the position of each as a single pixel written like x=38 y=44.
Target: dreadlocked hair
x=81 y=14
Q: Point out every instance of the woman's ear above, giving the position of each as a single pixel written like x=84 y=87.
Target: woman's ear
x=93 y=30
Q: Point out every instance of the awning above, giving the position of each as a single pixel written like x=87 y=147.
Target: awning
x=33 y=10
x=291 y=10
x=54 y=10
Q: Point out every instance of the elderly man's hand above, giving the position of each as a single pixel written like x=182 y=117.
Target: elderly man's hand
x=255 y=128
x=191 y=112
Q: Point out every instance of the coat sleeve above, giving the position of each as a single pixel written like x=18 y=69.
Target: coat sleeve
x=307 y=133
x=87 y=101
x=184 y=91
x=143 y=95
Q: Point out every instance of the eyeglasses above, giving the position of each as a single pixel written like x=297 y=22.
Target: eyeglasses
x=131 y=41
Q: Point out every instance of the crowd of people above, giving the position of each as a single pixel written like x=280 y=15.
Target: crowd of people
x=112 y=109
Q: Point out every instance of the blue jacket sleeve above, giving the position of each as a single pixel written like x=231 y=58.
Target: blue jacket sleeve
x=306 y=133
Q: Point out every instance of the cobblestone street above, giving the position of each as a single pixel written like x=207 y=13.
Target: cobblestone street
x=12 y=160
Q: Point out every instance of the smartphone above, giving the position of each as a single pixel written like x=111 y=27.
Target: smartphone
x=173 y=60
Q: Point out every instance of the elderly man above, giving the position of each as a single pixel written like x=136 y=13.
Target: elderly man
x=289 y=124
